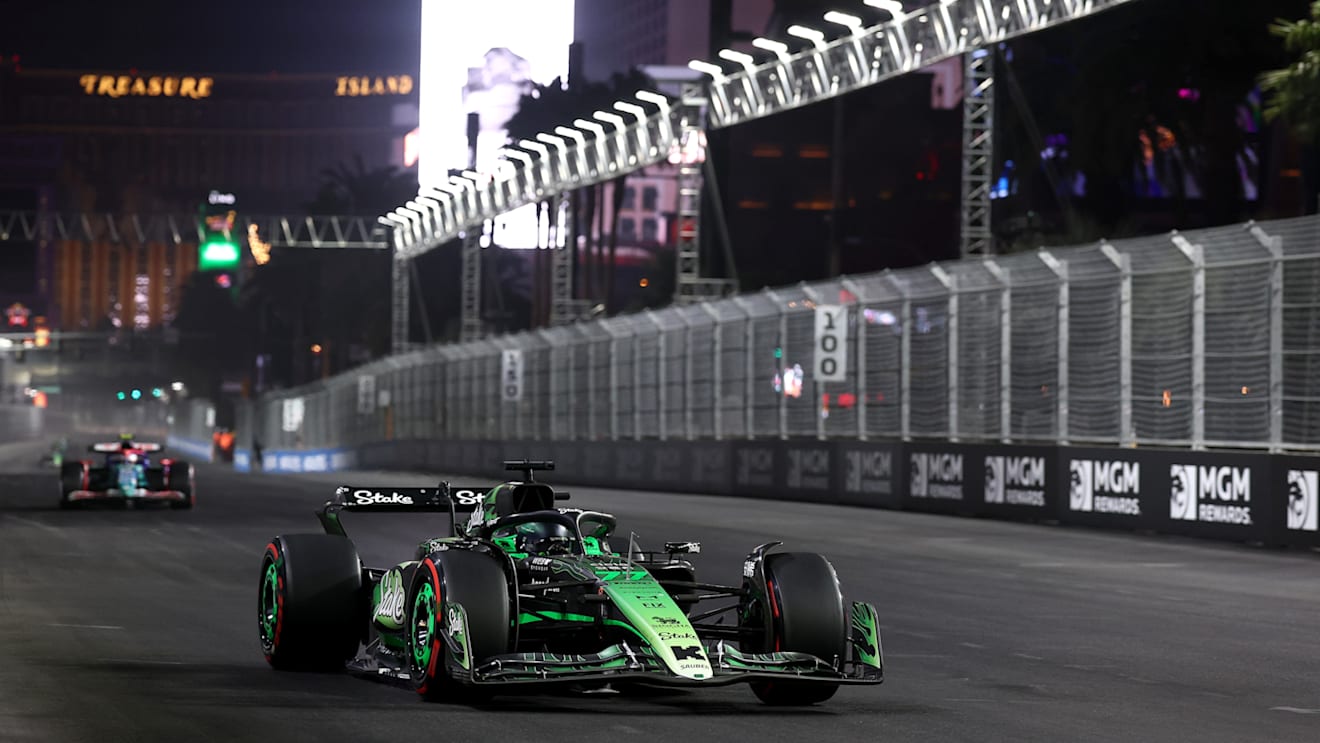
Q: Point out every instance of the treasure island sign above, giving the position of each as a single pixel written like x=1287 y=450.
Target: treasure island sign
x=119 y=86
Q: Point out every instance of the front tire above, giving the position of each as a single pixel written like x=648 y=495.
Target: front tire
x=805 y=616
x=309 y=602
x=477 y=582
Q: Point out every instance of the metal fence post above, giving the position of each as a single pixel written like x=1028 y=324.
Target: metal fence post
x=717 y=378
x=1005 y=351
x=1123 y=262
x=636 y=385
x=749 y=384
x=904 y=360
x=592 y=398
x=780 y=343
x=1196 y=254
x=614 y=386
x=951 y=325
x=661 y=399
x=817 y=386
x=860 y=322
x=1274 y=244
x=1060 y=269
x=687 y=377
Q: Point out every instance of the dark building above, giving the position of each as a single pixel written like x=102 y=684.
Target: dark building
x=147 y=142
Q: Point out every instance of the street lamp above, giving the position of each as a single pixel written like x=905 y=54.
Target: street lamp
x=643 y=132
x=562 y=147
x=425 y=213
x=580 y=140
x=779 y=48
x=749 y=66
x=893 y=7
x=857 y=59
x=528 y=161
x=661 y=102
x=815 y=36
x=785 y=68
x=715 y=71
x=852 y=22
x=437 y=212
x=817 y=39
x=599 y=131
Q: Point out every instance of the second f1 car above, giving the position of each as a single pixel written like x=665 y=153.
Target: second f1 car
x=128 y=471
x=524 y=593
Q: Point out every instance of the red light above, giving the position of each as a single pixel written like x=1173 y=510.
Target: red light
x=223 y=281
x=847 y=399
x=39 y=400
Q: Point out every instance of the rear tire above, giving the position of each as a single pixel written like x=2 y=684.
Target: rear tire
x=71 y=479
x=181 y=478
x=309 y=602
x=474 y=580
x=804 y=589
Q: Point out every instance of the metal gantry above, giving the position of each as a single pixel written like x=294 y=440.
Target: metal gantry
x=978 y=153
x=279 y=231
x=589 y=153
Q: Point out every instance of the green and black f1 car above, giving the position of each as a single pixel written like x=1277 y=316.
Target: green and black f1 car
x=525 y=593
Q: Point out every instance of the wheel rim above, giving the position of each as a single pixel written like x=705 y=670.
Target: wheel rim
x=269 y=606
x=423 y=628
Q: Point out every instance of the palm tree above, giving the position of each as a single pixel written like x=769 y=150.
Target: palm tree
x=548 y=106
x=1293 y=92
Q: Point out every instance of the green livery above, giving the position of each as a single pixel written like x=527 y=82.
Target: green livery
x=527 y=592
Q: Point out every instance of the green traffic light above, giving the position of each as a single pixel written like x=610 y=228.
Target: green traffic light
x=779 y=352
x=218 y=253
x=120 y=395
x=137 y=394
x=157 y=392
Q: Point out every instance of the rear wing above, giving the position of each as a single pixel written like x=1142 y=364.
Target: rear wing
x=441 y=499
x=110 y=447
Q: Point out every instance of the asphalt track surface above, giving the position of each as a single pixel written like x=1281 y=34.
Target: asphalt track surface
x=139 y=625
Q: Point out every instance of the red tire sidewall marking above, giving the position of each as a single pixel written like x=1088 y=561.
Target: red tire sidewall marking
x=435 y=635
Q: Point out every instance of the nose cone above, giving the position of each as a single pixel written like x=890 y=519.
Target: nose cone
x=658 y=619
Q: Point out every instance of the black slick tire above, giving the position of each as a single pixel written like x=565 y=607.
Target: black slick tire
x=309 y=602
x=181 y=478
x=477 y=582
x=806 y=616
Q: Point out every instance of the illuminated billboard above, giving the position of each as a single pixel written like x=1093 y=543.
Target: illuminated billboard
x=480 y=58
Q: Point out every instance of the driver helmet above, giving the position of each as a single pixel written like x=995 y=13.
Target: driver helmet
x=536 y=537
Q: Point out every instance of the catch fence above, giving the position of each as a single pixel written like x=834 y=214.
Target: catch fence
x=1208 y=338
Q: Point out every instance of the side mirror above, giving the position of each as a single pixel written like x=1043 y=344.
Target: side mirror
x=683 y=548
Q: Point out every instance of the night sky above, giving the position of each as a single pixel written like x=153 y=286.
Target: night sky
x=229 y=36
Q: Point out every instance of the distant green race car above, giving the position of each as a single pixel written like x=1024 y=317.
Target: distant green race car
x=524 y=593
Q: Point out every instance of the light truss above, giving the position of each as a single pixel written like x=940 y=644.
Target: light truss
x=906 y=43
x=978 y=153
x=279 y=231
x=864 y=57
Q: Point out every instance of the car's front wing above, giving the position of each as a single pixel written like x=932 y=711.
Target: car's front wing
x=118 y=494
x=625 y=662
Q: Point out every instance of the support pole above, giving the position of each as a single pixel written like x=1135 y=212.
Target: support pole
x=1127 y=435
x=978 y=156
x=1274 y=244
x=1060 y=269
x=399 y=303
x=1196 y=254
x=470 y=324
